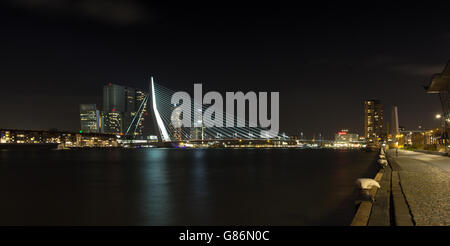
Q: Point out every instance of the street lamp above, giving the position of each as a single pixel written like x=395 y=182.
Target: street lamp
x=438 y=116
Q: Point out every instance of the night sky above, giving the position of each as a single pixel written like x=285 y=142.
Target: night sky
x=325 y=60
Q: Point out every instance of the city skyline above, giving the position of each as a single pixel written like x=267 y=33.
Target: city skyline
x=324 y=68
x=233 y=119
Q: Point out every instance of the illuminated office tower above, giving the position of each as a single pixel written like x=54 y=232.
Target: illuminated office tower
x=140 y=96
x=373 y=120
x=113 y=122
x=90 y=118
x=114 y=104
x=120 y=106
x=114 y=97
x=130 y=107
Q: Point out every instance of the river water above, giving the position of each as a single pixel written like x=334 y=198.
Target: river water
x=181 y=186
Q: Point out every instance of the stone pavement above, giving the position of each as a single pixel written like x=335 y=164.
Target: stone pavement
x=425 y=182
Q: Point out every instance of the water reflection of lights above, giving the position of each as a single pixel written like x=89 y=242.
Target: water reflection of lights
x=157 y=194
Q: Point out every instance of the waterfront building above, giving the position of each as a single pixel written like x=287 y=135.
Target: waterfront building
x=114 y=98
x=140 y=97
x=64 y=139
x=5 y=137
x=90 y=119
x=120 y=107
x=373 y=121
x=421 y=139
x=113 y=122
x=345 y=139
x=130 y=106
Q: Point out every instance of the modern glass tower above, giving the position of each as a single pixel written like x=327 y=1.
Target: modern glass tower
x=90 y=118
x=120 y=105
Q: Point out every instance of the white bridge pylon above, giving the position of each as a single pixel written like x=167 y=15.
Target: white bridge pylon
x=162 y=129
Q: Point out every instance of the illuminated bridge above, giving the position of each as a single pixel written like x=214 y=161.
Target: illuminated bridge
x=164 y=113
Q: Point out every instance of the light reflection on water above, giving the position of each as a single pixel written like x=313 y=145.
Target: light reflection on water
x=156 y=204
x=181 y=187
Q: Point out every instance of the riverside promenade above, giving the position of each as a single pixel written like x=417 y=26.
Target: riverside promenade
x=425 y=184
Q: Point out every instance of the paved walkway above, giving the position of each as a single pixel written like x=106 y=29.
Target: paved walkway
x=425 y=181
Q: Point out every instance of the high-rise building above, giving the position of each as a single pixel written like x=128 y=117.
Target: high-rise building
x=373 y=120
x=113 y=122
x=120 y=107
x=90 y=118
x=139 y=99
x=114 y=98
x=130 y=107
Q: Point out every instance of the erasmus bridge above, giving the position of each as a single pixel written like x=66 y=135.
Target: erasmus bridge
x=164 y=114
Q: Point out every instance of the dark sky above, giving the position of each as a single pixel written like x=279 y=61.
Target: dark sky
x=324 y=59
